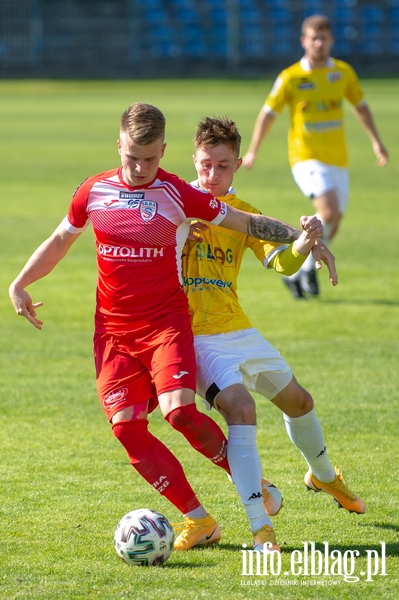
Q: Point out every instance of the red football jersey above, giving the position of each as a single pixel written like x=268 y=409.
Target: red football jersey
x=140 y=232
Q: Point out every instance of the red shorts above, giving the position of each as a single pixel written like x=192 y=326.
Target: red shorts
x=135 y=366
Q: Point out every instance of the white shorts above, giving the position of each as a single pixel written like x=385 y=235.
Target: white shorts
x=242 y=356
x=315 y=178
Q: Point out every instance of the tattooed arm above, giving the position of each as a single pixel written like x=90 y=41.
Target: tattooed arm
x=267 y=228
x=263 y=227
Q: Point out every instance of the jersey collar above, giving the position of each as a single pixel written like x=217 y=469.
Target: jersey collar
x=306 y=66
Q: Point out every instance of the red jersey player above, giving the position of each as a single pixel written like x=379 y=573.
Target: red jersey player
x=143 y=343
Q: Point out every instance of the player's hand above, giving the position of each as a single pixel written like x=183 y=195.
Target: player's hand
x=248 y=160
x=312 y=226
x=322 y=254
x=195 y=231
x=24 y=306
x=381 y=153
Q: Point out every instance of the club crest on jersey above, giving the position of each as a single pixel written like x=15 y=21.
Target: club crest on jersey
x=148 y=210
x=335 y=76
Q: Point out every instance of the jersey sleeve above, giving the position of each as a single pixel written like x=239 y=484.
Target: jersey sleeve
x=77 y=218
x=278 y=95
x=284 y=259
x=353 y=92
x=260 y=248
x=199 y=204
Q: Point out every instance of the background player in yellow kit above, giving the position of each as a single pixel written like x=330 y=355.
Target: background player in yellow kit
x=232 y=357
x=314 y=89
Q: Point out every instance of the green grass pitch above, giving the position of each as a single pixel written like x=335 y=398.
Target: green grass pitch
x=65 y=480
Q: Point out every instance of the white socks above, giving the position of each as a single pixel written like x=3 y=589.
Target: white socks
x=197 y=513
x=243 y=457
x=306 y=434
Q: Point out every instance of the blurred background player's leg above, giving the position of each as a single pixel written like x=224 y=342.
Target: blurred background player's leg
x=327 y=186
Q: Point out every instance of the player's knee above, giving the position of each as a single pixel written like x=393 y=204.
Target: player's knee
x=182 y=417
x=304 y=401
x=237 y=411
x=244 y=415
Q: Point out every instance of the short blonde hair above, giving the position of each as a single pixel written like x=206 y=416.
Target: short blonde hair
x=317 y=23
x=143 y=123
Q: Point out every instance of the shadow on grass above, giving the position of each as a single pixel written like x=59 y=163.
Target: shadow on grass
x=390 y=526
x=188 y=565
x=368 y=302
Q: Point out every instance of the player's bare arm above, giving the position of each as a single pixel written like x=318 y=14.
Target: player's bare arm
x=265 y=228
x=261 y=226
x=40 y=264
x=312 y=229
x=262 y=127
x=312 y=226
x=365 y=117
x=309 y=241
x=322 y=254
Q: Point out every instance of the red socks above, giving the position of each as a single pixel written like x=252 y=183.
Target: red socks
x=156 y=463
x=202 y=432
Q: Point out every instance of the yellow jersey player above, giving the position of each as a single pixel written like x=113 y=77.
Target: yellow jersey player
x=314 y=90
x=143 y=341
x=232 y=357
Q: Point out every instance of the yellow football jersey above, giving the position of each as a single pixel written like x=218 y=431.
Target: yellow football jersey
x=315 y=99
x=210 y=270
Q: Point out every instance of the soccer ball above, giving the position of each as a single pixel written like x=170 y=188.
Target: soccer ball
x=144 y=537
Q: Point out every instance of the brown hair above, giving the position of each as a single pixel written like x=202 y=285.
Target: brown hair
x=216 y=131
x=317 y=23
x=143 y=123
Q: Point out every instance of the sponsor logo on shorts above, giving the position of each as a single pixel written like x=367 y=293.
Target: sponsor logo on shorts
x=115 y=397
x=180 y=375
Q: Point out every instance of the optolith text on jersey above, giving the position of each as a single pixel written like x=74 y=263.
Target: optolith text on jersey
x=124 y=251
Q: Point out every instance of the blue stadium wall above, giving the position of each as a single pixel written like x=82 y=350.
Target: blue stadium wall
x=162 y=38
